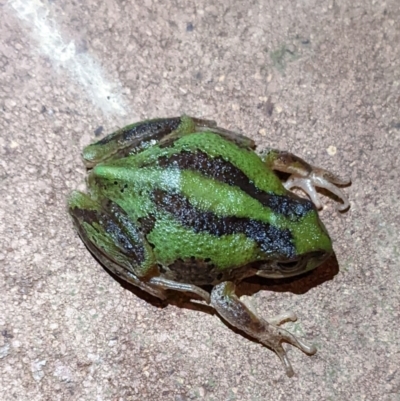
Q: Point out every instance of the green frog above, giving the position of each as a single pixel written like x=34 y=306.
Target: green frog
x=181 y=204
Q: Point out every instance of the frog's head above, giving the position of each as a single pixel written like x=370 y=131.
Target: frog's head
x=293 y=266
x=310 y=247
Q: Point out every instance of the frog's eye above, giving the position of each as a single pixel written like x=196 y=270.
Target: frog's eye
x=305 y=262
x=290 y=266
x=283 y=268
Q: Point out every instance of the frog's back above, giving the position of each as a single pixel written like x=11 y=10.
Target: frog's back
x=205 y=204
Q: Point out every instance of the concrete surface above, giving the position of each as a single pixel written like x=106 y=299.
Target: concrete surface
x=319 y=78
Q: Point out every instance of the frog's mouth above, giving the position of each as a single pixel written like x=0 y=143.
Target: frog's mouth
x=292 y=267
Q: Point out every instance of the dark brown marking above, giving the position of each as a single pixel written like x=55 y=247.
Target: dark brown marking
x=221 y=170
x=147 y=224
x=144 y=131
x=202 y=272
x=118 y=226
x=271 y=240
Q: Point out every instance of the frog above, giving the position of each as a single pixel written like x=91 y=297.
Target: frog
x=182 y=205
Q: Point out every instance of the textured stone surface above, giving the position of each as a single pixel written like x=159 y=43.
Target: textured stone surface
x=320 y=79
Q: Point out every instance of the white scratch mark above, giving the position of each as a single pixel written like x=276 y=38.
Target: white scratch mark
x=82 y=67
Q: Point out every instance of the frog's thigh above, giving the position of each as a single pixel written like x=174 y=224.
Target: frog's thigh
x=133 y=138
x=235 y=312
x=91 y=221
x=192 y=124
x=127 y=275
x=209 y=125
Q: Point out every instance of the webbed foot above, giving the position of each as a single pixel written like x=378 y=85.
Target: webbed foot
x=234 y=311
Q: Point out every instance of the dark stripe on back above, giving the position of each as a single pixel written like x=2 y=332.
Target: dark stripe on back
x=146 y=130
x=217 y=168
x=270 y=239
x=118 y=226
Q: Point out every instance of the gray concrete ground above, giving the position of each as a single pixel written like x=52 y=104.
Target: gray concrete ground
x=319 y=78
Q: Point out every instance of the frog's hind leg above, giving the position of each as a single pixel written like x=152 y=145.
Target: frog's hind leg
x=126 y=274
x=211 y=126
x=235 y=312
x=306 y=176
x=114 y=240
x=133 y=139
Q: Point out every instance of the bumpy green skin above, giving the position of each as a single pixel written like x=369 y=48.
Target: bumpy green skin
x=179 y=203
x=131 y=182
x=176 y=204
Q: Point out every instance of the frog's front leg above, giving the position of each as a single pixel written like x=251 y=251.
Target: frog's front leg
x=235 y=312
x=306 y=176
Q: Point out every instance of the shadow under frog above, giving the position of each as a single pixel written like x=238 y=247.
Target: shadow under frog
x=248 y=287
